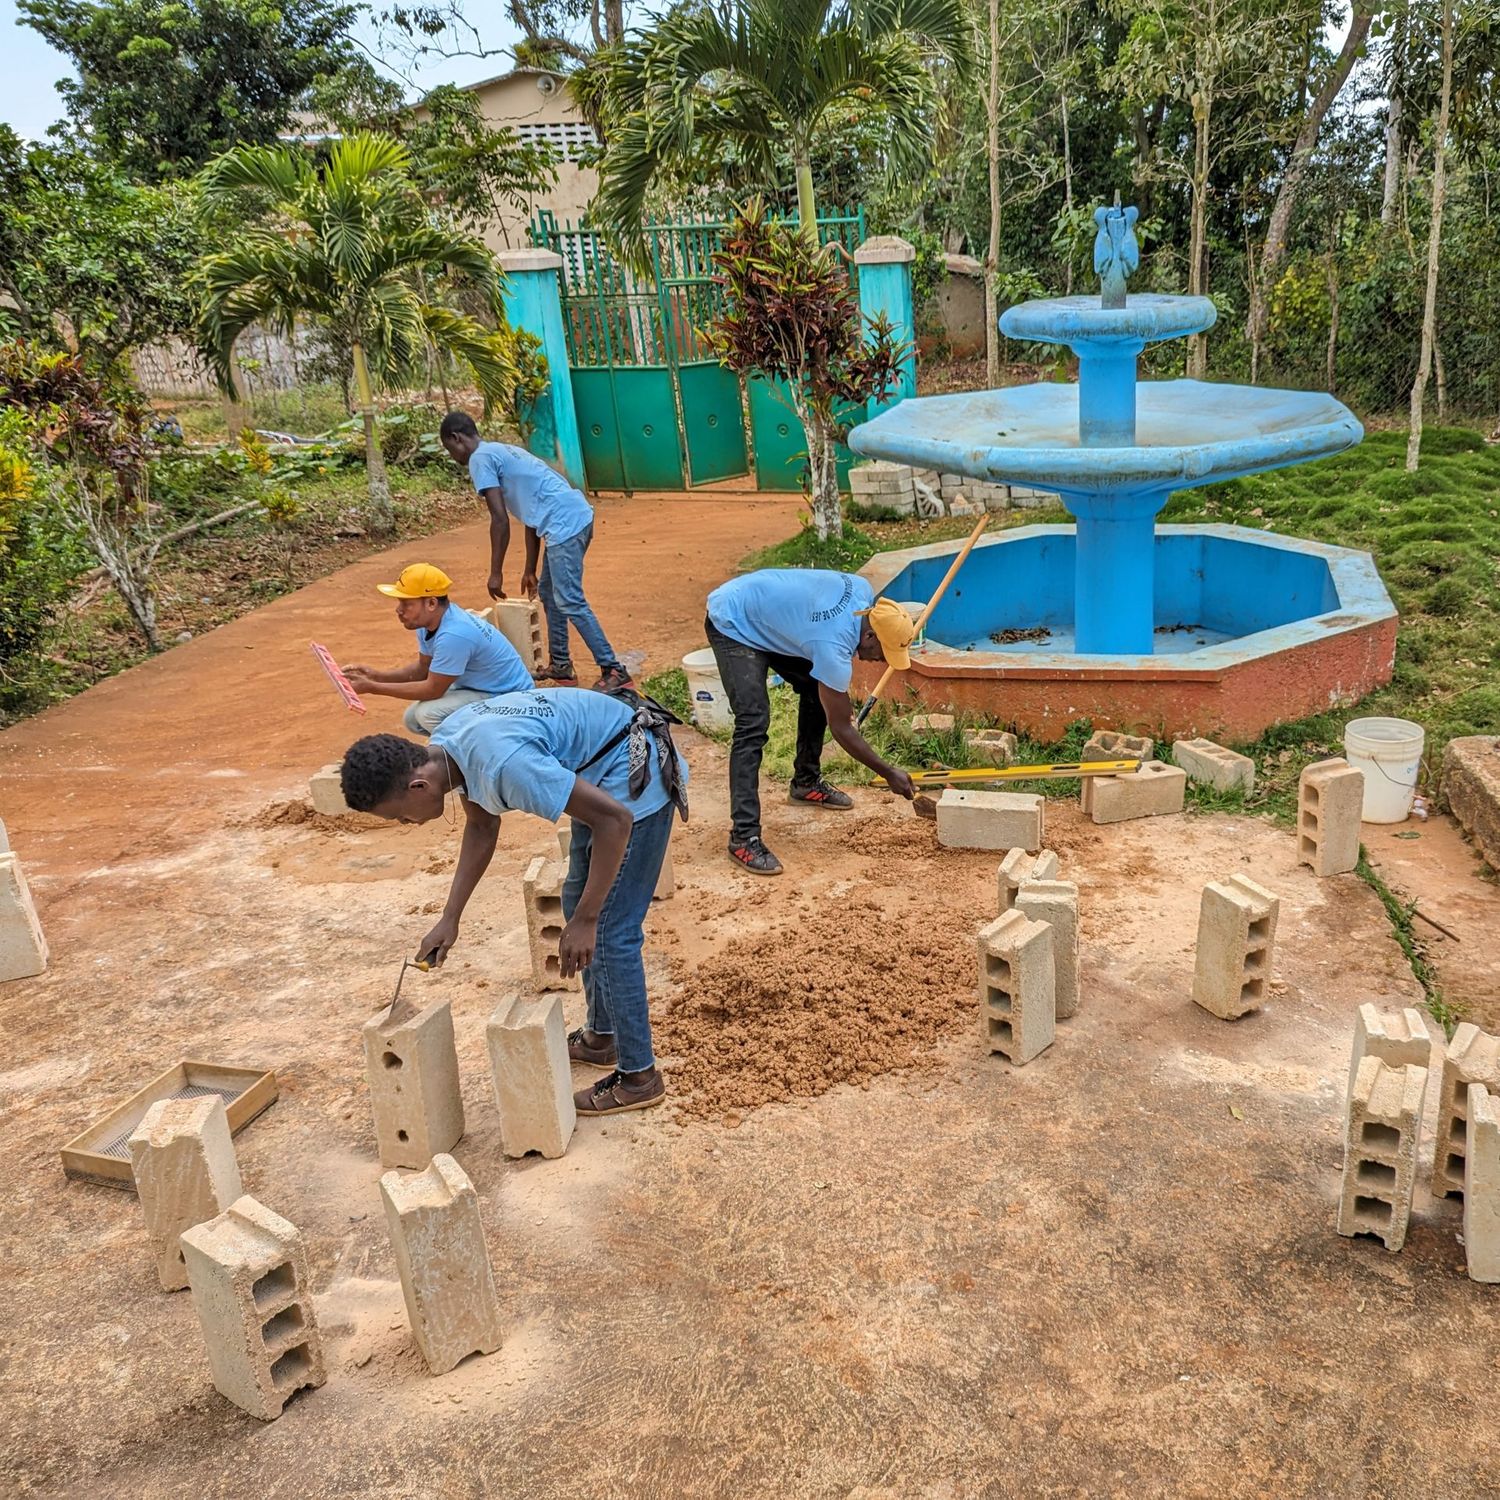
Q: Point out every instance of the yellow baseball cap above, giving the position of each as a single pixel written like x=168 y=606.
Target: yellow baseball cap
x=418 y=581
x=895 y=630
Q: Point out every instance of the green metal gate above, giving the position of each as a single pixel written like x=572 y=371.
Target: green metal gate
x=656 y=410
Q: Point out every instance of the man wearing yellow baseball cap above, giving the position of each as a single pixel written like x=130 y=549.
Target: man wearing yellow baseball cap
x=807 y=625
x=461 y=658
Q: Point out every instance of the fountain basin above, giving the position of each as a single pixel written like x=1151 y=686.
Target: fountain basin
x=1250 y=629
x=1188 y=432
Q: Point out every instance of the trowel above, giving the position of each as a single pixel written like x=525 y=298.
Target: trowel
x=399 y=1012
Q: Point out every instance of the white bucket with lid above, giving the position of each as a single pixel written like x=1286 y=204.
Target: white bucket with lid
x=706 y=691
x=1389 y=752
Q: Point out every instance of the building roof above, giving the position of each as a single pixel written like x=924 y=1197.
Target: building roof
x=484 y=83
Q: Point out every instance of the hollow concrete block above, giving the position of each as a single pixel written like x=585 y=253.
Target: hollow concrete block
x=248 y=1272
x=1214 y=765
x=931 y=723
x=1383 y=1124
x=541 y=889
x=185 y=1172
x=1330 y=800
x=529 y=1065
x=1236 y=946
x=1019 y=866
x=1473 y=1057
x=989 y=820
x=565 y=840
x=1397 y=1038
x=1109 y=744
x=4 y=838
x=1482 y=1184
x=23 y=948
x=327 y=791
x=1017 y=987
x=1156 y=790
x=413 y=1073
x=446 y=1278
x=1055 y=902
x=992 y=747
x=520 y=622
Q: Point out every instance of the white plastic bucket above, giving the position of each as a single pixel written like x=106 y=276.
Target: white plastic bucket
x=706 y=691
x=1389 y=752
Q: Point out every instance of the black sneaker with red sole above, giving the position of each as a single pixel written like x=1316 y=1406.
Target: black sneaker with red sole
x=556 y=674
x=755 y=857
x=820 y=794
x=613 y=680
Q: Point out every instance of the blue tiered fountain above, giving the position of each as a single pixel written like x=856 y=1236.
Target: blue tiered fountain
x=1113 y=448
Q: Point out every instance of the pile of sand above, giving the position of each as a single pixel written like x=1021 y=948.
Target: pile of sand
x=300 y=813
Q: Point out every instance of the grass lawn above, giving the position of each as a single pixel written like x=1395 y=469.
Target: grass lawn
x=1435 y=536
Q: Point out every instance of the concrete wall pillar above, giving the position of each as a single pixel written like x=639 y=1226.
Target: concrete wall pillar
x=884 y=269
x=533 y=301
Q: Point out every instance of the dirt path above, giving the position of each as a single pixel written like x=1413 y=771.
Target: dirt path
x=1112 y=1271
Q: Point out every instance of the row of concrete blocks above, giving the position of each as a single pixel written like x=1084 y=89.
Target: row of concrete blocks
x=1389 y=1066
x=884 y=485
x=247 y=1266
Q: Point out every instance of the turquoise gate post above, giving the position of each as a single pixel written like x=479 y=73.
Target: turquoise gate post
x=884 y=267
x=533 y=301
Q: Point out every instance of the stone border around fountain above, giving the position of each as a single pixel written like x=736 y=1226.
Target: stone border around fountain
x=1235 y=689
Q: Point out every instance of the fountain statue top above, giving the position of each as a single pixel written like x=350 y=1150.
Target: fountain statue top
x=1116 y=254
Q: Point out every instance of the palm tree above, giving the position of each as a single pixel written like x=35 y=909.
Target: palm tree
x=756 y=76
x=350 y=243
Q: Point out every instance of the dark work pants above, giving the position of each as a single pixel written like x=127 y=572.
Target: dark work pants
x=743 y=670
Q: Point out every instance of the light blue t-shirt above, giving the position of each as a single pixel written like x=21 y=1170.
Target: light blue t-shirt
x=473 y=653
x=537 y=496
x=521 y=752
x=806 y=612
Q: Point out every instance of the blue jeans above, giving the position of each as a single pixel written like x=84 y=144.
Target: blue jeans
x=560 y=587
x=615 y=983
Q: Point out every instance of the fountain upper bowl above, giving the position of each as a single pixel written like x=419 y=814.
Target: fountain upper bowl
x=1147 y=317
x=1188 y=432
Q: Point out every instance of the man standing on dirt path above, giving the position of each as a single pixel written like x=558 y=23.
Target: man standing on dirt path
x=513 y=482
x=807 y=625
x=461 y=659
x=612 y=767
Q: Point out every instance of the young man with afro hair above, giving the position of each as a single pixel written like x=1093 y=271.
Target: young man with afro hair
x=613 y=769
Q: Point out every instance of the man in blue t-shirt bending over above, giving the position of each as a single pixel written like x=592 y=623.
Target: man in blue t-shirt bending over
x=461 y=659
x=807 y=625
x=515 y=483
x=614 y=770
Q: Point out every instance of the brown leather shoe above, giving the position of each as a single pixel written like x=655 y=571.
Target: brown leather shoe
x=613 y=1095
x=601 y=1055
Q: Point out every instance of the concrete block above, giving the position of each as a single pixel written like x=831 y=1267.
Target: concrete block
x=991 y=747
x=1017 y=867
x=931 y=723
x=1330 y=798
x=1383 y=1123
x=1482 y=1185
x=413 y=1074
x=1397 y=1038
x=529 y=1064
x=1471 y=788
x=4 y=838
x=1212 y=764
x=520 y=622
x=565 y=840
x=1055 y=902
x=328 y=792
x=960 y=506
x=23 y=948
x=1236 y=944
x=185 y=1172
x=666 y=880
x=1155 y=791
x=989 y=820
x=1017 y=987
x=1107 y=744
x=1473 y=1057
x=446 y=1278
x=248 y=1272
x=541 y=888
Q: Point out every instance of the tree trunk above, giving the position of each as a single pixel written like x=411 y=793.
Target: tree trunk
x=1442 y=378
x=1434 y=240
x=807 y=204
x=822 y=467
x=1333 y=325
x=382 y=514
x=1392 y=190
x=992 y=256
x=1197 y=361
x=1274 y=251
x=131 y=576
x=1067 y=186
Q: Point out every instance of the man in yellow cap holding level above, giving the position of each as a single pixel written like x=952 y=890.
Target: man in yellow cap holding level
x=461 y=659
x=807 y=625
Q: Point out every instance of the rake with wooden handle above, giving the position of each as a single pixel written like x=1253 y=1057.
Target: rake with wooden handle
x=921 y=619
